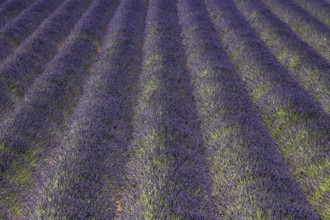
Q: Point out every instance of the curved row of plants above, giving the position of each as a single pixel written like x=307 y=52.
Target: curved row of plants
x=28 y=61
x=13 y=34
x=298 y=124
x=304 y=25
x=161 y=109
x=30 y=130
x=302 y=63
x=10 y=9
x=249 y=176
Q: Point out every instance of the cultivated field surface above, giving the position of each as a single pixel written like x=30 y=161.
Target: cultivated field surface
x=165 y=109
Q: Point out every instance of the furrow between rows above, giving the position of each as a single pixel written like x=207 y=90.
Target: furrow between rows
x=249 y=176
x=82 y=178
x=11 y=9
x=13 y=34
x=20 y=70
x=30 y=131
x=297 y=123
x=302 y=63
x=167 y=176
x=305 y=26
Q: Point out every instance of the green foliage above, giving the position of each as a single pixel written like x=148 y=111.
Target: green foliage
x=21 y=175
x=280 y=120
x=260 y=89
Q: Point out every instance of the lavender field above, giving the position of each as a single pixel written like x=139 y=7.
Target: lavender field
x=165 y=109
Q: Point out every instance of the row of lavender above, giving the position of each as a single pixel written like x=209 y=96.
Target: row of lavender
x=13 y=34
x=249 y=176
x=301 y=61
x=193 y=110
x=10 y=9
x=30 y=129
x=85 y=174
x=298 y=124
x=28 y=61
x=166 y=175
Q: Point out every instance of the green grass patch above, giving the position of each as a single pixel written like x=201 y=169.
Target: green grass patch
x=222 y=132
x=297 y=144
x=260 y=89
x=281 y=119
x=294 y=62
x=207 y=90
x=319 y=196
x=305 y=29
x=153 y=61
x=159 y=163
x=148 y=210
x=234 y=53
x=11 y=201
x=5 y=149
x=20 y=175
x=151 y=85
x=16 y=92
x=31 y=158
x=316 y=169
x=308 y=81
x=282 y=56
